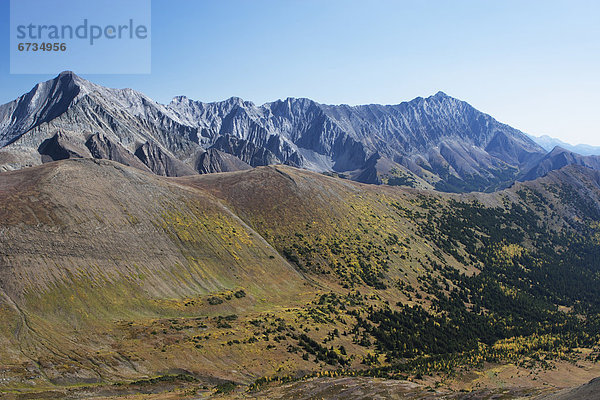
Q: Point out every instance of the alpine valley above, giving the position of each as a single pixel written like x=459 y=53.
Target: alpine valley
x=291 y=250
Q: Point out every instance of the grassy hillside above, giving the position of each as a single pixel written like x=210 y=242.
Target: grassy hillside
x=423 y=282
x=109 y=274
x=90 y=250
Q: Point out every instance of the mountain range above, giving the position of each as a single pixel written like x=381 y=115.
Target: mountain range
x=435 y=142
x=290 y=250
x=549 y=143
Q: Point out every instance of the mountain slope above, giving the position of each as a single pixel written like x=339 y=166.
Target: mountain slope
x=435 y=136
x=43 y=103
x=123 y=116
x=213 y=160
x=440 y=140
x=109 y=273
x=589 y=391
x=86 y=244
x=557 y=159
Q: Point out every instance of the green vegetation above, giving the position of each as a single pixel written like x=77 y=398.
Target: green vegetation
x=494 y=285
x=322 y=353
x=383 y=282
x=225 y=388
x=164 y=379
x=399 y=178
x=515 y=294
x=213 y=300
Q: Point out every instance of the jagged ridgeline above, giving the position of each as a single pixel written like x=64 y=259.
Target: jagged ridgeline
x=435 y=142
x=274 y=273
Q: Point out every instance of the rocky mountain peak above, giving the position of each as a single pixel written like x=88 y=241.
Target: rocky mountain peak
x=441 y=95
x=180 y=99
x=558 y=150
x=441 y=140
x=69 y=79
x=45 y=102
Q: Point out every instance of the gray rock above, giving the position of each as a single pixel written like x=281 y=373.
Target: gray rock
x=213 y=160
x=103 y=148
x=160 y=162
x=60 y=147
x=444 y=142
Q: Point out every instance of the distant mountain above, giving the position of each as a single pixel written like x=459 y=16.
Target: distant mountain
x=549 y=143
x=557 y=159
x=438 y=142
x=441 y=140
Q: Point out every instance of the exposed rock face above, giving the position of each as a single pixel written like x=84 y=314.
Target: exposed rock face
x=160 y=162
x=60 y=147
x=213 y=160
x=246 y=151
x=81 y=108
x=102 y=147
x=441 y=140
x=381 y=170
x=43 y=103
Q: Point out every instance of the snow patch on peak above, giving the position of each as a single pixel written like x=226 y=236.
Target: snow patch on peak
x=180 y=100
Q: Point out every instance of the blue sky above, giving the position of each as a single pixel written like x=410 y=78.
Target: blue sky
x=532 y=64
